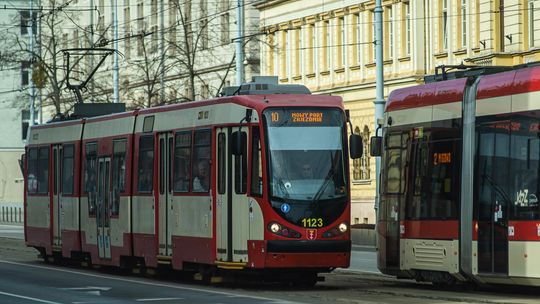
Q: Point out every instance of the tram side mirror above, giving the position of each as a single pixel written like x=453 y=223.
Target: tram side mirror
x=239 y=142
x=249 y=113
x=22 y=161
x=375 y=145
x=355 y=146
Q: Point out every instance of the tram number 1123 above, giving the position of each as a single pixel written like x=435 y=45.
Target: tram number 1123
x=312 y=222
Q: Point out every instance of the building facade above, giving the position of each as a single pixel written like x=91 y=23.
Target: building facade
x=169 y=50
x=329 y=46
x=14 y=114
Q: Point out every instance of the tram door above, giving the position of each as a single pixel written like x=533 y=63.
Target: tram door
x=232 y=210
x=56 y=205
x=166 y=146
x=103 y=206
x=392 y=200
x=492 y=202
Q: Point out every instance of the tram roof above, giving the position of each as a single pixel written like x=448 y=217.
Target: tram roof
x=516 y=80
x=257 y=102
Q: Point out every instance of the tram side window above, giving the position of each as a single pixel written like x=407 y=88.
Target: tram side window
x=182 y=161
x=146 y=164
x=524 y=169
x=201 y=161
x=394 y=182
x=67 y=169
x=32 y=170
x=43 y=170
x=90 y=176
x=434 y=179
x=118 y=174
x=222 y=155
x=256 y=165
x=240 y=165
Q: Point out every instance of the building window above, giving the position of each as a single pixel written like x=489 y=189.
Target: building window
x=140 y=28
x=153 y=12
x=444 y=24
x=357 y=38
x=205 y=91
x=25 y=73
x=101 y=16
x=25 y=22
x=342 y=49
x=297 y=51
x=225 y=34
x=127 y=30
x=270 y=40
x=203 y=24
x=283 y=54
x=389 y=32
x=477 y=24
x=172 y=27
x=407 y=29
x=361 y=166
x=365 y=166
x=463 y=10
x=155 y=39
x=373 y=36
x=530 y=22
x=312 y=48
x=325 y=46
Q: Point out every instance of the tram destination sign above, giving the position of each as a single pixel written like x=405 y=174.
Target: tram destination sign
x=303 y=116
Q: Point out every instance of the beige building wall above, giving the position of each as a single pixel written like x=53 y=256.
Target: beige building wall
x=11 y=180
x=328 y=46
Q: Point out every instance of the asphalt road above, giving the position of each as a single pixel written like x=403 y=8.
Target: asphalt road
x=31 y=283
x=26 y=279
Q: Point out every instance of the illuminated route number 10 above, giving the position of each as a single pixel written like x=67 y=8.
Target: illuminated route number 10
x=275 y=116
x=312 y=222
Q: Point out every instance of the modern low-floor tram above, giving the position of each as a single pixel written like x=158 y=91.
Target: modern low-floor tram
x=459 y=178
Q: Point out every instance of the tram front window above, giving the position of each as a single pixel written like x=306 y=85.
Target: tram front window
x=306 y=169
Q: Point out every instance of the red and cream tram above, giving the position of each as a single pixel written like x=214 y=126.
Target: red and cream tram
x=255 y=181
x=460 y=178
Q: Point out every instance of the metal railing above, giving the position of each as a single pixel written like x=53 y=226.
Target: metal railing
x=11 y=215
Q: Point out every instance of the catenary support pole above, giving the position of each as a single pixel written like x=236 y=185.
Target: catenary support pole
x=31 y=63
x=240 y=42
x=379 y=90
x=116 y=97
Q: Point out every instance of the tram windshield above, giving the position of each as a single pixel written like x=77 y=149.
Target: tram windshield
x=306 y=164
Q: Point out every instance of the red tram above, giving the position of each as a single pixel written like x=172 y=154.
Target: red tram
x=255 y=181
x=460 y=178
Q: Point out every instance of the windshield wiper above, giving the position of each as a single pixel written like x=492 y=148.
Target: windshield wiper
x=282 y=188
x=324 y=185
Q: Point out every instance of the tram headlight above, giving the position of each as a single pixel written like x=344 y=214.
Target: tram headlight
x=282 y=230
x=343 y=227
x=274 y=227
